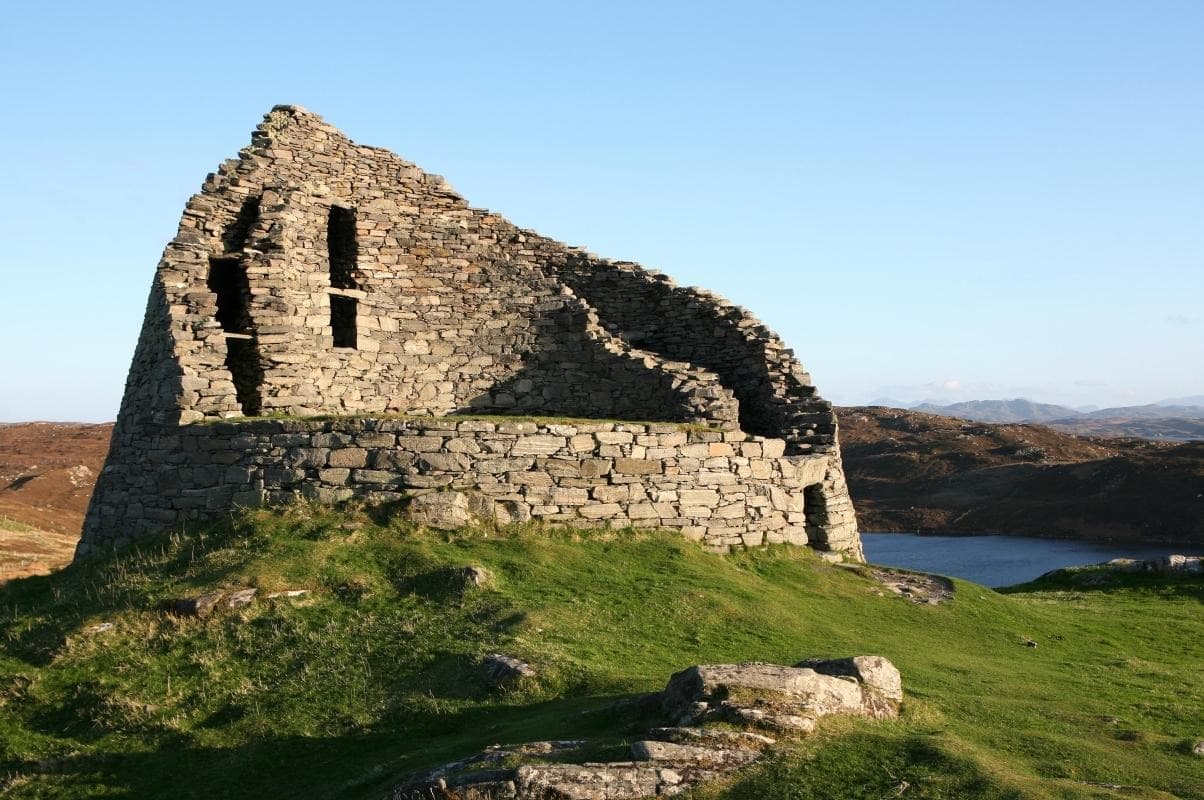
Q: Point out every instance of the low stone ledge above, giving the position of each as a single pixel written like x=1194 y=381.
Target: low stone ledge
x=724 y=488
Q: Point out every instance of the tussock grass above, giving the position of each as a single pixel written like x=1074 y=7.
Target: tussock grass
x=9 y=524
x=375 y=672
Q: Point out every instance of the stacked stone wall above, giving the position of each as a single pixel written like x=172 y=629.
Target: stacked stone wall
x=723 y=488
x=454 y=310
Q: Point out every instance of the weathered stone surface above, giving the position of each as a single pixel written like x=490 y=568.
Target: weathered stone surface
x=240 y=598
x=287 y=594
x=714 y=756
x=1169 y=564
x=313 y=276
x=440 y=510
x=712 y=736
x=671 y=760
x=501 y=669
x=782 y=697
x=474 y=576
x=200 y=606
x=872 y=672
x=918 y=587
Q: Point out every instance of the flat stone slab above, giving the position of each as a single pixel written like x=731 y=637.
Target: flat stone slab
x=918 y=587
x=672 y=760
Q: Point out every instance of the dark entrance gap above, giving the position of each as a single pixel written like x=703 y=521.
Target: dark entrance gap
x=342 y=247
x=815 y=506
x=342 y=320
x=228 y=280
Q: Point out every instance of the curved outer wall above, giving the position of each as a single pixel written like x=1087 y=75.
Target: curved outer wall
x=455 y=310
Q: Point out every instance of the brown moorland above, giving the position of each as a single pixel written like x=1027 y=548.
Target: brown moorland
x=47 y=472
x=910 y=471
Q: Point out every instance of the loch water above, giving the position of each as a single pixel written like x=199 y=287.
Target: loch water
x=1000 y=560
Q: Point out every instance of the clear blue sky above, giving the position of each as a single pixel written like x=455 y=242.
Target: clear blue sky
x=926 y=199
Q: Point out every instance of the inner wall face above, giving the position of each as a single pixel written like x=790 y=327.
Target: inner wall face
x=315 y=276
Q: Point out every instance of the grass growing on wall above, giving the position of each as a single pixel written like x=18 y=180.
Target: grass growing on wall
x=495 y=418
x=376 y=672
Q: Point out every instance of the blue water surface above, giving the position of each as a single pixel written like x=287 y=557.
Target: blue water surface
x=999 y=560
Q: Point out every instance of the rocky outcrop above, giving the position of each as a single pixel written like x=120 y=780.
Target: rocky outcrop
x=673 y=759
x=1107 y=572
x=1167 y=564
x=503 y=670
x=783 y=698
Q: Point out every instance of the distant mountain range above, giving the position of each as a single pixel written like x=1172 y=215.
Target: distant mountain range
x=1180 y=419
x=1017 y=410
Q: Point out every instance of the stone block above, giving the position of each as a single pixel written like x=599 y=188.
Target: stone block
x=582 y=443
x=348 y=457
x=631 y=466
x=773 y=448
x=595 y=467
x=568 y=497
x=420 y=444
x=443 y=462
x=611 y=494
x=336 y=476
x=537 y=445
x=698 y=497
x=600 y=510
x=440 y=510
x=375 y=476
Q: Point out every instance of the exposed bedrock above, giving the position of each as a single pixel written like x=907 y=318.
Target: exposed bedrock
x=673 y=759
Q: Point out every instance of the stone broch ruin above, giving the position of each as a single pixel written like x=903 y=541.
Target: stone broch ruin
x=331 y=322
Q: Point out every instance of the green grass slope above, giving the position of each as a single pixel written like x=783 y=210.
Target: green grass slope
x=376 y=673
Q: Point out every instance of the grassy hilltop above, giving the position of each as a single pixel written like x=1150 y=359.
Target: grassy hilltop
x=375 y=672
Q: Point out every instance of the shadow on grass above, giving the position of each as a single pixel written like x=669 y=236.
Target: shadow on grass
x=869 y=765
x=41 y=612
x=1106 y=581
x=359 y=763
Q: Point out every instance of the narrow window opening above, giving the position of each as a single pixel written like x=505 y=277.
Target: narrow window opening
x=341 y=245
x=342 y=320
x=228 y=280
x=235 y=235
x=342 y=249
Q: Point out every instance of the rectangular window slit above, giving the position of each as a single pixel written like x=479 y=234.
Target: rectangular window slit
x=342 y=320
x=342 y=250
x=228 y=280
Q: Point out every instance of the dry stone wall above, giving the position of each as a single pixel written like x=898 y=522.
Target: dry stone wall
x=723 y=488
x=314 y=276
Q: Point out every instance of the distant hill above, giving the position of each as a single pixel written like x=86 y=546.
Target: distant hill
x=1153 y=421
x=1171 y=429
x=910 y=471
x=1017 y=410
x=47 y=472
x=1193 y=400
x=1151 y=411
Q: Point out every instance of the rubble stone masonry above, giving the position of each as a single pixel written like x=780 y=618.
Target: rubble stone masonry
x=314 y=276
